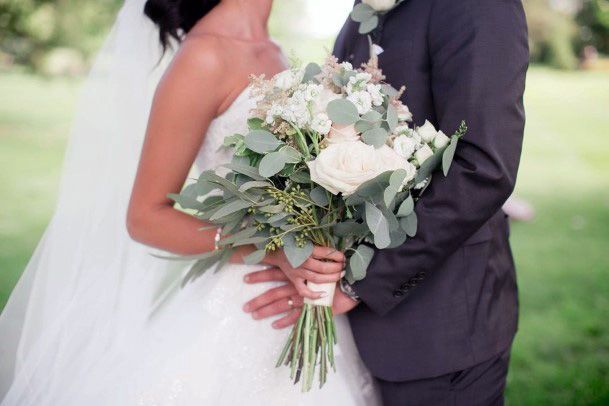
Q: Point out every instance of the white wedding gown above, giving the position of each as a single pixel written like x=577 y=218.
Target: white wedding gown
x=154 y=343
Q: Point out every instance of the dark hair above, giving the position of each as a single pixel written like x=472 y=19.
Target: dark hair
x=176 y=16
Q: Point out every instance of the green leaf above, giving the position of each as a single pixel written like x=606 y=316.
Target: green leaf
x=245 y=233
x=296 y=255
x=261 y=141
x=392 y=117
x=407 y=207
x=359 y=261
x=251 y=240
x=398 y=237
x=362 y=12
x=254 y=184
x=185 y=202
x=369 y=25
x=372 y=116
x=409 y=224
x=232 y=140
x=319 y=196
x=311 y=70
x=378 y=226
x=350 y=228
x=372 y=188
x=255 y=257
x=274 y=209
x=255 y=124
x=245 y=170
x=449 y=154
x=342 y=111
x=271 y=164
x=290 y=154
x=375 y=137
x=395 y=183
x=301 y=177
x=429 y=166
x=230 y=208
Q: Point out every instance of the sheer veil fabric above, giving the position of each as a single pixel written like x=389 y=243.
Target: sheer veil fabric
x=75 y=282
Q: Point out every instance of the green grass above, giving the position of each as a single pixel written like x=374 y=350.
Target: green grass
x=561 y=354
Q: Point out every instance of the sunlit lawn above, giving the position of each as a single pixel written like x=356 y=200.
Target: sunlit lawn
x=561 y=355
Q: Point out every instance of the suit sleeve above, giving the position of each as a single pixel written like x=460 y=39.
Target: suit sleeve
x=479 y=57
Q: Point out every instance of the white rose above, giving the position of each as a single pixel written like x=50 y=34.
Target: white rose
x=404 y=113
x=404 y=146
x=320 y=103
x=411 y=172
x=427 y=132
x=423 y=154
x=342 y=133
x=380 y=5
x=342 y=168
x=362 y=100
x=288 y=78
x=441 y=140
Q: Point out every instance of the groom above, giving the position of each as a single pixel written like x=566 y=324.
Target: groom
x=435 y=318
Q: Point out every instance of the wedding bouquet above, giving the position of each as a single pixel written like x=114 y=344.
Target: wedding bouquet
x=330 y=159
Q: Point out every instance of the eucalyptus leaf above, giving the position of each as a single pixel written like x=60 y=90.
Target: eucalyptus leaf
x=369 y=25
x=301 y=177
x=362 y=12
x=251 y=240
x=429 y=166
x=242 y=234
x=372 y=189
x=261 y=141
x=319 y=196
x=271 y=164
x=409 y=224
x=359 y=261
x=255 y=123
x=245 y=170
x=406 y=207
x=378 y=226
x=254 y=258
x=350 y=228
x=277 y=217
x=230 y=208
x=449 y=154
x=398 y=237
x=375 y=137
x=254 y=184
x=342 y=111
x=185 y=202
x=291 y=155
x=372 y=116
x=274 y=209
x=296 y=255
x=311 y=70
x=392 y=117
x=395 y=183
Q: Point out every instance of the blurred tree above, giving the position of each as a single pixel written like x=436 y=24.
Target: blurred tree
x=552 y=35
x=594 y=18
x=31 y=28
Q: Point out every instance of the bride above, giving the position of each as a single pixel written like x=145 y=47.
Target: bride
x=96 y=319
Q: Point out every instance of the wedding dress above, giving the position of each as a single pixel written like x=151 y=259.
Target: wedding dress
x=97 y=320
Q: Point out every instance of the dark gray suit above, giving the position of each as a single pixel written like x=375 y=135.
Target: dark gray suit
x=446 y=300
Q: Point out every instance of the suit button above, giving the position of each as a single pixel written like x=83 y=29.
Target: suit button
x=398 y=293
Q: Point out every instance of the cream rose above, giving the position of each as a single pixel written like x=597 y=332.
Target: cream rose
x=441 y=140
x=427 y=132
x=380 y=5
x=404 y=146
x=423 y=154
x=342 y=133
x=343 y=167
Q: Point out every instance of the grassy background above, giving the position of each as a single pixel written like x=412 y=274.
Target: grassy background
x=561 y=355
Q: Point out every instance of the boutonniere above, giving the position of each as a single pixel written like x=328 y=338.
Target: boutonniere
x=367 y=13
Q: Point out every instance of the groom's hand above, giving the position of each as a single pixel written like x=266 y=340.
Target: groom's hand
x=278 y=300
x=325 y=265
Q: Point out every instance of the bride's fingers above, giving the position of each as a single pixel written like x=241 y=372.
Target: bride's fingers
x=266 y=275
x=328 y=254
x=269 y=297
x=304 y=291
x=288 y=320
x=280 y=306
x=315 y=277
x=322 y=267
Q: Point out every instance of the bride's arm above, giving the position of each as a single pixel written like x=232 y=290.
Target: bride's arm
x=190 y=95
x=192 y=92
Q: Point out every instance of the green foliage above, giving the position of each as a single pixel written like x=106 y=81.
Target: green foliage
x=552 y=35
x=594 y=18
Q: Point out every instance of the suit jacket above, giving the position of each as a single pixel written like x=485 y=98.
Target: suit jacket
x=447 y=299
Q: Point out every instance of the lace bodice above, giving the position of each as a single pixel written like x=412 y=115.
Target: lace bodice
x=233 y=120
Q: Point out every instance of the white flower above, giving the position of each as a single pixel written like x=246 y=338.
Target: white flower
x=404 y=146
x=411 y=172
x=375 y=93
x=321 y=123
x=342 y=168
x=380 y=5
x=423 y=154
x=346 y=66
x=275 y=111
x=311 y=91
x=342 y=133
x=404 y=113
x=402 y=130
x=358 y=82
x=441 y=140
x=427 y=132
x=325 y=96
x=288 y=78
x=362 y=100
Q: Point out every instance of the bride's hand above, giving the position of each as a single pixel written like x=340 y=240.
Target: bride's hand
x=325 y=265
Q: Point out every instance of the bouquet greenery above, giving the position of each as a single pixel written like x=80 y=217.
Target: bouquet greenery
x=329 y=159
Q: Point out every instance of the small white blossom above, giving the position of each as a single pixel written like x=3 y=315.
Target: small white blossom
x=404 y=113
x=362 y=100
x=321 y=123
x=288 y=78
x=358 y=82
x=375 y=93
